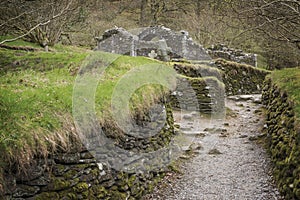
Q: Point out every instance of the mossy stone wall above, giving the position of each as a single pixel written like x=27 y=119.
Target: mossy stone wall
x=283 y=134
x=240 y=78
x=203 y=86
x=199 y=94
x=76 y=174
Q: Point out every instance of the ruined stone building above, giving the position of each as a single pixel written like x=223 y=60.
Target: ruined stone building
x=162 y=43
x=157 y=42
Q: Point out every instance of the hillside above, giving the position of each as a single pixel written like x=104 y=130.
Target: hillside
x=36 y=99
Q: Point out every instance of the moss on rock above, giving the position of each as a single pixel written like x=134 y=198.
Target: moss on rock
x=47 y=195
x=81 y=187
x=283 y=135
x=58 y=184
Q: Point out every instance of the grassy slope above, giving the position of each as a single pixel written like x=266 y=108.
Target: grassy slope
x=289 y=80
x=36 y=97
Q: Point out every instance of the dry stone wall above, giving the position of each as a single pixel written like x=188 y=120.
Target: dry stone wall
x=240 y=78
x=236 y=55
x=76 y=174
x=283 y=135
x=203 y=86
x=199 y=94
x=199 y=88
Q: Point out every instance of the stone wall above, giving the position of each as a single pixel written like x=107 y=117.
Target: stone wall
x=236 y=55
x=283 y=135
x=202 y=94
x=199 y=88
x=198 y=70
x=76 y=174
x=202 y=87
x=207 y=83
x=241 y=78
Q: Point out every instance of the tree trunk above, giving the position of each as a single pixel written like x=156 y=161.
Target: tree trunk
x=198 y=8
x=143 y=13
x=154 y=12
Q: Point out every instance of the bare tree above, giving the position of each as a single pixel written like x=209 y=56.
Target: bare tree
x=276 y=19
x=160 y=9
x=277 y=25
x=271 y=26
x=38 y=21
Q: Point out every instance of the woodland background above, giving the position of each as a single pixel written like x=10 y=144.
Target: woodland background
x=270 y=28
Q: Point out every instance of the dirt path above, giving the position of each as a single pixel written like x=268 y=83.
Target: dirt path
x=230 y=164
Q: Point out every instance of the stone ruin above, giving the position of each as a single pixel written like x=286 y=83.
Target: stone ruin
x=162 y=43
x=156 y=42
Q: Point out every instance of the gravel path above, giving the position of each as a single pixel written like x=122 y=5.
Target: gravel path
x=230 y=163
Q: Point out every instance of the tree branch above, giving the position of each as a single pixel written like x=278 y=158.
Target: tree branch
x=39 y=24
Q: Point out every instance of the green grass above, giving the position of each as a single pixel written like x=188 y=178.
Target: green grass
x=19 y=42
x=261 y=62
x=40 y=61
x=34 y=95
x=36 y=90
x=289 y=81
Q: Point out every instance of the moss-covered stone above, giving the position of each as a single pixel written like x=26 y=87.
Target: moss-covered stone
x=47 y=195
x=70 y=174
x=116 y=195
x=241 y=78
x=99 y=191
x=57 y=184
x=67 y=195
x=80 y=187
x=283 y=139
x=132 y=180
